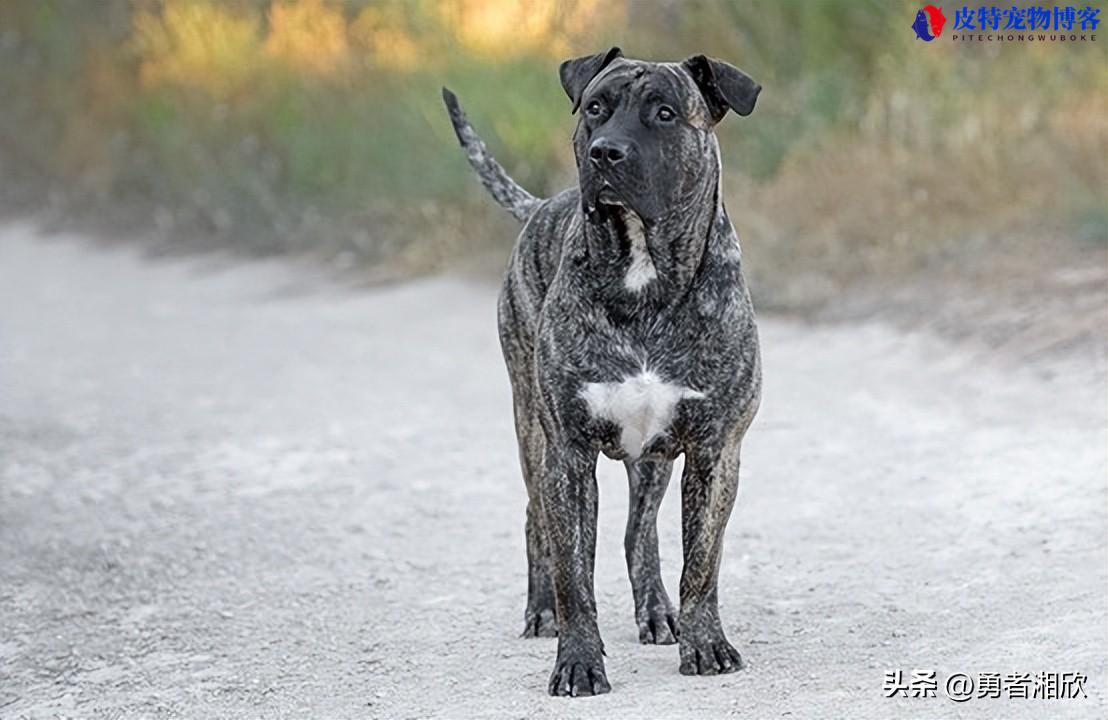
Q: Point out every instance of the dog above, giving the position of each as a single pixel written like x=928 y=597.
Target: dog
x=627 y=328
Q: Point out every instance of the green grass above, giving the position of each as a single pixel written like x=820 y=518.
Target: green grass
x=364 y=161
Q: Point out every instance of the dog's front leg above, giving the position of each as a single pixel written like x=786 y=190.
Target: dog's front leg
x=569 y=500
x=708 y=489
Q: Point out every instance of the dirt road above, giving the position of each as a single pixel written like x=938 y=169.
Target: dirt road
x=236 y=490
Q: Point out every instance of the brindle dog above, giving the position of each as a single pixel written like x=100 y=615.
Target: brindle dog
x=627 y=329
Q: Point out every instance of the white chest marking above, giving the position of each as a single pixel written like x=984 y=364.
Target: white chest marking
x=642 y=269
x=642 y=406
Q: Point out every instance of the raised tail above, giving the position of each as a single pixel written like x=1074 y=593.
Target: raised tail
x=495 y=178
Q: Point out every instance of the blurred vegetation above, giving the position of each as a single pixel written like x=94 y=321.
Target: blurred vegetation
x=316 y=125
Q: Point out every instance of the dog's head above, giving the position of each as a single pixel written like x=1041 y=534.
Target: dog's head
x=645 y=138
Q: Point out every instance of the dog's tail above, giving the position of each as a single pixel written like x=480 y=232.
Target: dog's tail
x=495 y=178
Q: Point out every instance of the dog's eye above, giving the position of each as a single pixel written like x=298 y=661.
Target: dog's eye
x=593 y=109
x=666 y=114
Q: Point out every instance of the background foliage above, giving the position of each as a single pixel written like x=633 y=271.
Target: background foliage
x=316 y=125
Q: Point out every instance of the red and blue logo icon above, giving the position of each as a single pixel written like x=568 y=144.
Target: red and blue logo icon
x=929 y=23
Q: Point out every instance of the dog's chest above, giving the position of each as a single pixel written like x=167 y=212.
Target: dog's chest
x=642 y=405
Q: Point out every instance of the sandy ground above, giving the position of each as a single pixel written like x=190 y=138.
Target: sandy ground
x=236 y=490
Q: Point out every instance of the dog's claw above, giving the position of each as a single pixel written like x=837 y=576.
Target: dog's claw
x=657 y=621
x=577 y=680
x=579 y=673
x=542 y=623
x=658 y=630
x=713 y=657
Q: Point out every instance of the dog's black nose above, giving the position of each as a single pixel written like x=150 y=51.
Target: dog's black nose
x=608 y=150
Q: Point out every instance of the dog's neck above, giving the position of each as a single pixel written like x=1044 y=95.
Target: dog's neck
x=635 y=265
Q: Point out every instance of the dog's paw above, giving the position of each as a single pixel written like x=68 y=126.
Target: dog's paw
x=708 y=653
x=578 y=672
x=657 y=622
x=540 y=623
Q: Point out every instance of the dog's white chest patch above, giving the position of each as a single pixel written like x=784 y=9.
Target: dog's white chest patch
x=642 y=406
x=641 y=271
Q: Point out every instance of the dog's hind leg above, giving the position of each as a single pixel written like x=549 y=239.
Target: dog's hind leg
x=515 y=306
x=539 y=618
x=654 y=612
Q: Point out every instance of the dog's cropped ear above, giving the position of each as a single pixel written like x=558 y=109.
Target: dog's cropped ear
x=576 y=74
x=723 y=86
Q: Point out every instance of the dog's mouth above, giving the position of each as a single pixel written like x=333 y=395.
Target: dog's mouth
x=608 y=196
x=606 y=204
x=609 y=211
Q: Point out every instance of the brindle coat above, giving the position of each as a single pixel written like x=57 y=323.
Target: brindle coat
x=627 y=329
